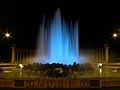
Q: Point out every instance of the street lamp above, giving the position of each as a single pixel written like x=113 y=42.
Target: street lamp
x=7 y=35
x=115 y=35
x=21 y=66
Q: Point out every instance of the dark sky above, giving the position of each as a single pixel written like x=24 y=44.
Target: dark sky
x=97 y=20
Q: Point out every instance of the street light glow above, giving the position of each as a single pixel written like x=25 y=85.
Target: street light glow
x=21 y=66
x=114 y=35
x=7 y=34
x=99 y=65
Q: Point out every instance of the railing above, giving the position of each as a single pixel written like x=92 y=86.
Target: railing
x=60 y=82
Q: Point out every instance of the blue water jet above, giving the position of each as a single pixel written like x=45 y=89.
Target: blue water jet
x=58 y=41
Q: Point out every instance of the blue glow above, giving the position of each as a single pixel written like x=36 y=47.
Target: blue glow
x=58 y=41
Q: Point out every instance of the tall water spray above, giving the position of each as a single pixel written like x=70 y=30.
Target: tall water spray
x=58 y=41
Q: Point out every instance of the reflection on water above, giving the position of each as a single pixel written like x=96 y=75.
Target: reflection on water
x=103 y=72
x=99 y=72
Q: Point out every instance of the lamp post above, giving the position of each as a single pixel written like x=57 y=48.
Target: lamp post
x=115 y=44
x=7 y=45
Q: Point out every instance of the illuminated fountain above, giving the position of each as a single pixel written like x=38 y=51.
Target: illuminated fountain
x=58 y=41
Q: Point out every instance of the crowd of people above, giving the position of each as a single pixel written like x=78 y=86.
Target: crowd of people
x=59 y=70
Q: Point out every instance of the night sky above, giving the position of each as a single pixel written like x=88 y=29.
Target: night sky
x=97 y=20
